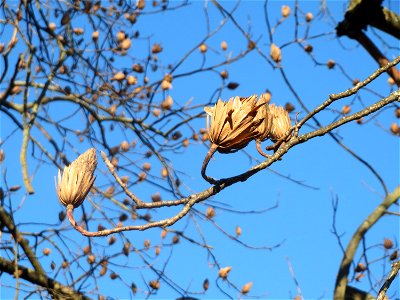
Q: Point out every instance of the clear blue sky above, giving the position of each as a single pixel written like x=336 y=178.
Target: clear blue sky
x=302 y=222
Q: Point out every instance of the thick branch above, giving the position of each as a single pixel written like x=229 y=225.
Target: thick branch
x=341 y=282
x=56 y=289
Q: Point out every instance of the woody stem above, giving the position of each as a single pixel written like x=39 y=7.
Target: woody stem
x=210 y=154
x=259 y=149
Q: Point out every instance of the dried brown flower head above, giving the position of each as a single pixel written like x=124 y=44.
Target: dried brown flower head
x=266 y=125
x=280 y=122
x=77 y=179
x=234 y=123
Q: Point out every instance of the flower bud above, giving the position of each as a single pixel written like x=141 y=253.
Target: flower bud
x=77 y=179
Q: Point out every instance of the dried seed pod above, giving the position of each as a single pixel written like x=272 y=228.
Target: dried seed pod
x=91 y=259
x=95 y=35
x=112 y=240
x=167 y=103
x=246 y=288
x=131 y=80
x=280 y=122
x=103 y=271
x=238 y=231
x=61 y=216
x=166 y=85
x=156 y=112
x=232 y=85
x=109 y=191
x=309 y=17
x=176 y=135
x=394 y=255
x=224 y=45
x=387 y=244
x=137 y=68
x=346 y=109
x=275 y=53
x=210 y=212
x=206 y=284
x=123 y=217
x=78 y=31
x=126 y=249
x=52 y=26
x=285 y=11
x=142 y=176
x=360 y=267
x=224 y=74
x=251 y=45
x=203 y=48
x=156 y=49
x=289 y=107
x=396 y=112
x=146 y=244
x=185 y=143
x=66 y=18
x=86 y=250
x=175 y=239
x=308 y=48
x=113 y=109
x=156 y=197
x=360 y=121
x=77 y=179
x=126 y=44
x=223 y=272
x=146 y=166
x=113 y=275
x=154 y=284
x=140 y=4
x=356 y=81
x=164 y=233
x=46 y=251
x=120 y=36
x=391 y=81
x=118 y=77
x=164 y=172
x=395 y=129
x=157 y=250
x=331 y=64
x=14 y=188
x=15 y=90
x=64 y=264
x=168 y=77
x=124 y=146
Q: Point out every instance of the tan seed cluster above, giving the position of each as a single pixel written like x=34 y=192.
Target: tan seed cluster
x=237 y=122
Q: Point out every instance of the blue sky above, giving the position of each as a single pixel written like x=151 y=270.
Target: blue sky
x=302 y=221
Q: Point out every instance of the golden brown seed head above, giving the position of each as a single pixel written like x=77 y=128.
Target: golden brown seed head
x=280 y=122
x=265 y=127
x=76 y=180
x=234 y=123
